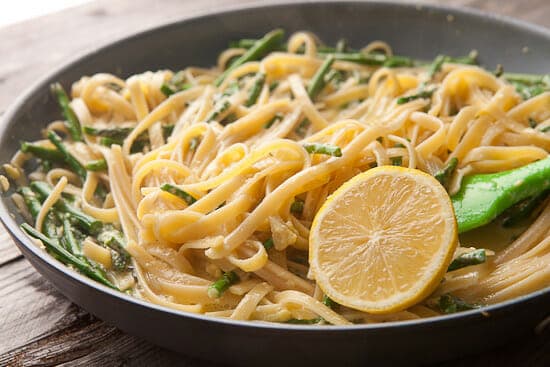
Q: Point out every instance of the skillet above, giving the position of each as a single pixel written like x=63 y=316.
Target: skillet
x=416 y=31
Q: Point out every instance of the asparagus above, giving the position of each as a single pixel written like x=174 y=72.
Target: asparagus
x=46 y=154
x=174 y=190
x=445 y=174
x=450 y=304
x=70 y=240
x=71 y=120
x=471 y=258
x=218 y=110
x=297 y=207
x=255 y=90
x=115 y=241
x=318 y=81
x=523 y=209
x=97 y=165
x=32 y=202
x=66 y=257
x=176 y=84
x=116 y=133
x=342 y=45
x=372 y=59
x=327 y=301
x=273 y=120
x=216 y=289
x=528 y=85
x=396 y=161
x=261 y=47
x=107 y=141
x=421 y=94
x=90 y=224
x=69 y=158
x=327 y=149
x=268 y=243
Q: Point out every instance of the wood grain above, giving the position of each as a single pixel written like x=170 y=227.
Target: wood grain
x=38 y=326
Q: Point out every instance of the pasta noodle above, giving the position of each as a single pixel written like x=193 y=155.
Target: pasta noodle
x=212 y=179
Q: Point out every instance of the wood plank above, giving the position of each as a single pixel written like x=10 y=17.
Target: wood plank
x=8 y=251
x=56 y=332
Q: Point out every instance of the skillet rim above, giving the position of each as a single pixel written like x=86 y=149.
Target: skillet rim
x=22 y=240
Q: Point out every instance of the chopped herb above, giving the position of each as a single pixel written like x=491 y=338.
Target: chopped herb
x=327 y=149
x=471 y=258
x=194 y=143
x=396 y=161
x=532 y=123
x=268 y=243
x=545 y=129
x=297 y=207
x=450 y=304
x=328 y=302
x=174 y=190
x=216 y=289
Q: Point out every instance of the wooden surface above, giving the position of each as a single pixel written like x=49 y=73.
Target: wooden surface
x=38 y=326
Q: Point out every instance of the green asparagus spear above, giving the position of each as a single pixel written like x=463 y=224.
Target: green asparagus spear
x=116 y=133
x=421 y=94
x=69 y=158
x=471 y=258
x=66 y=257
x=220 y=108
x=216 y=289
x=32 y=202
x=327 y=149
x=46 y=154
x=90 y=224
x=318 y=81
x=71 y=120
x=445 y=174
x=97 y=165
x=261 y=47
x=523 y=209
x=115 y=241
x=71 y=243
x=256 y=89
x=174 y=190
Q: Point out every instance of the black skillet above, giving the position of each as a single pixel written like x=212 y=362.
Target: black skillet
x=418 y=31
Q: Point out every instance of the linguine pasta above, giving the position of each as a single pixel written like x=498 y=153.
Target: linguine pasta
x=214 y=184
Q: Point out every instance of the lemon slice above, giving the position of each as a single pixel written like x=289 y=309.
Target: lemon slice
x=383 y=241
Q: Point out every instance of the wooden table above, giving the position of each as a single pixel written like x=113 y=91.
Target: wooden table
x=39 y=326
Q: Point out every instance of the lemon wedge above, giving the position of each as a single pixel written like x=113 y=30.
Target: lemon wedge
x=383 y=241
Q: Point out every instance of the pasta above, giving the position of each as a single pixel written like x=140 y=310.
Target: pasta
x=206 y=181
